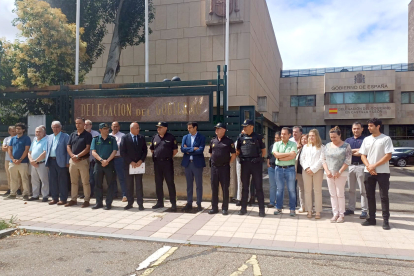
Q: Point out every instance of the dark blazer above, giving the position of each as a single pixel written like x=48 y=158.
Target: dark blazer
x=131 y=152
x=198 y=155
x=62 y=156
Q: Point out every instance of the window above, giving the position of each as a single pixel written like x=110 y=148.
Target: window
x=360 y=97
x=309 y=100
x=275 y=117
x=402 y=132
x=262 y=104
x=407 y=97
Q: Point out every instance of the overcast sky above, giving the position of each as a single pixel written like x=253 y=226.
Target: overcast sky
x=321 y=33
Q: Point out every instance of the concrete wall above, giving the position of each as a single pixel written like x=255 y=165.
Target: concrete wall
x=183 y=44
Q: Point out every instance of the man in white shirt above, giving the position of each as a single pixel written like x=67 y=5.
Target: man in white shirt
x=376 y=151
x=297 y=135
x=94 y=133
x=5 y=148
x=119 y=162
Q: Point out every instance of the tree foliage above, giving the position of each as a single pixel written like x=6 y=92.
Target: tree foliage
x=47 y=55
x=6 y=63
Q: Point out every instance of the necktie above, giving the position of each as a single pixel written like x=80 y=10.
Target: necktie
x=135 y=140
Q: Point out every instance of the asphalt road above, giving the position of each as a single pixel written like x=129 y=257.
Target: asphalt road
x=401 y=192
x=41 y=254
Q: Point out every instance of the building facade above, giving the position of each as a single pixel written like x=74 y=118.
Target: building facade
x=324 y=99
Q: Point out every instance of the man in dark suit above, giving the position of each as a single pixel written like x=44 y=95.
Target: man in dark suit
x=134 y=151
x=193 y=161
x=57 y=160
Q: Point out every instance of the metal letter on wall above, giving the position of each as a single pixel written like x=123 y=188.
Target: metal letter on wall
x=144 y=109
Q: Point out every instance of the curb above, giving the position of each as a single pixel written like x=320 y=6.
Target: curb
x=7 y=232
x=229 y=245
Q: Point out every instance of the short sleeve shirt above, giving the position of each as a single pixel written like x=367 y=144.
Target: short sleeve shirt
x=38 y=147
x=376 y=148
x=221 y=150
x=163 y=147
x=355 y=144
x=79 y=142
x=281 y=147
x=104 y=147
x=6 y=142
x=19 y=146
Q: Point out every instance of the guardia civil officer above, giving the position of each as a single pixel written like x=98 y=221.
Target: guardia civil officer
x=164 y=148
x=222 y=154
x=104 y=149
x=251 y=149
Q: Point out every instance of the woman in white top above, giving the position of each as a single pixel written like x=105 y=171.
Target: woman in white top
x=312 y=172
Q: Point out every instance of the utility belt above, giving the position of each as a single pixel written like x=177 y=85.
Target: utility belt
x=157 y=159
x=253 y=160
x=220 y=165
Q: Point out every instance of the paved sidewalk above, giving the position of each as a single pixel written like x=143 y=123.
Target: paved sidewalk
x=272 y=232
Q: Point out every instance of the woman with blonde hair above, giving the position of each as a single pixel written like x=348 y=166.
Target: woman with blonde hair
x=336 y=157
x=299 y=171
x=312 y=172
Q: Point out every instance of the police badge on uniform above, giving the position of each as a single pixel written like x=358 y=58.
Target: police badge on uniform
x=232 y=145
x=244 y=142
x=214 y=145
x=155 y=143
x=175 y=141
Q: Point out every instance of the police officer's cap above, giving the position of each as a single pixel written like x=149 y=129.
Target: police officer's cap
x=248 y=122
x=220 y=125
x=103 y=125
x=165 y=80
x=162 y=124
x=176 y=79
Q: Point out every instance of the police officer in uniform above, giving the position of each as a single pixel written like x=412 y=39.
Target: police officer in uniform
x=251 y=149
x=222 y=154
x=164 y=148
x=104 y=149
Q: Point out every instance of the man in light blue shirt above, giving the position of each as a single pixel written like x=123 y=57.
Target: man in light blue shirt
x=39 y=172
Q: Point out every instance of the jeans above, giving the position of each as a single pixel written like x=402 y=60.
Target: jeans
x=288 y=176
x=272 y=182
x=119 y=169
x=383 y=180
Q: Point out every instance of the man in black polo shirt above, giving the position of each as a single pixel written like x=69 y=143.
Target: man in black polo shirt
x=104 y=149
x=164 y=148
x=222 y=154
x=79 y=145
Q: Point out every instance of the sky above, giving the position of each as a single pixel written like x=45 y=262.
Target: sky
x=321 y=33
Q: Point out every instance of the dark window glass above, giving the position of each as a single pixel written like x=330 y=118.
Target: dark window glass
x=402 y=132
x=337 y=98
x=405 y=97
x=294 y=101
x=382 y=97
x=358 y=97
x=303 y=100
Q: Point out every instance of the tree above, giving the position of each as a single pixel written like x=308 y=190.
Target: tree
x=127 y=17
x=6 y=64
x=93 y=17
x=47 y=55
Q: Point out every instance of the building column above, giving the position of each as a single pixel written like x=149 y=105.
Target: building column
x=387 y=130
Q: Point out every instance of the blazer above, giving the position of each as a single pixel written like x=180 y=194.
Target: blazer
x=131 y=152
x=62 y=156
x=198 y=155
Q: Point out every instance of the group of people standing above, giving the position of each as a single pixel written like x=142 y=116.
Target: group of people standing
x=302 y=160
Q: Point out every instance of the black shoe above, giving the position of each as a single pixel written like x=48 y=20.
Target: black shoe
x=174 y=207
x=33 y=199
x=348 y=212
x=97 y=206
x=187 y=207
x=242 y=212
x=158 y=206
x=108 y=207
x=270 y=206
x=128 y=207
x=225 y=212
x=238 y=203
x=81 y=196
x=19 y=192
x=212 y=212
x=7 y=193
x=369 y=222
x=141 y=208
x=199 y=208
x=262 y=214
x=386 y=225
x=45 y=199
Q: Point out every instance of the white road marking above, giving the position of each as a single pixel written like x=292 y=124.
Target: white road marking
x=155 y=256
x=159 y=261
x=252 y=261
